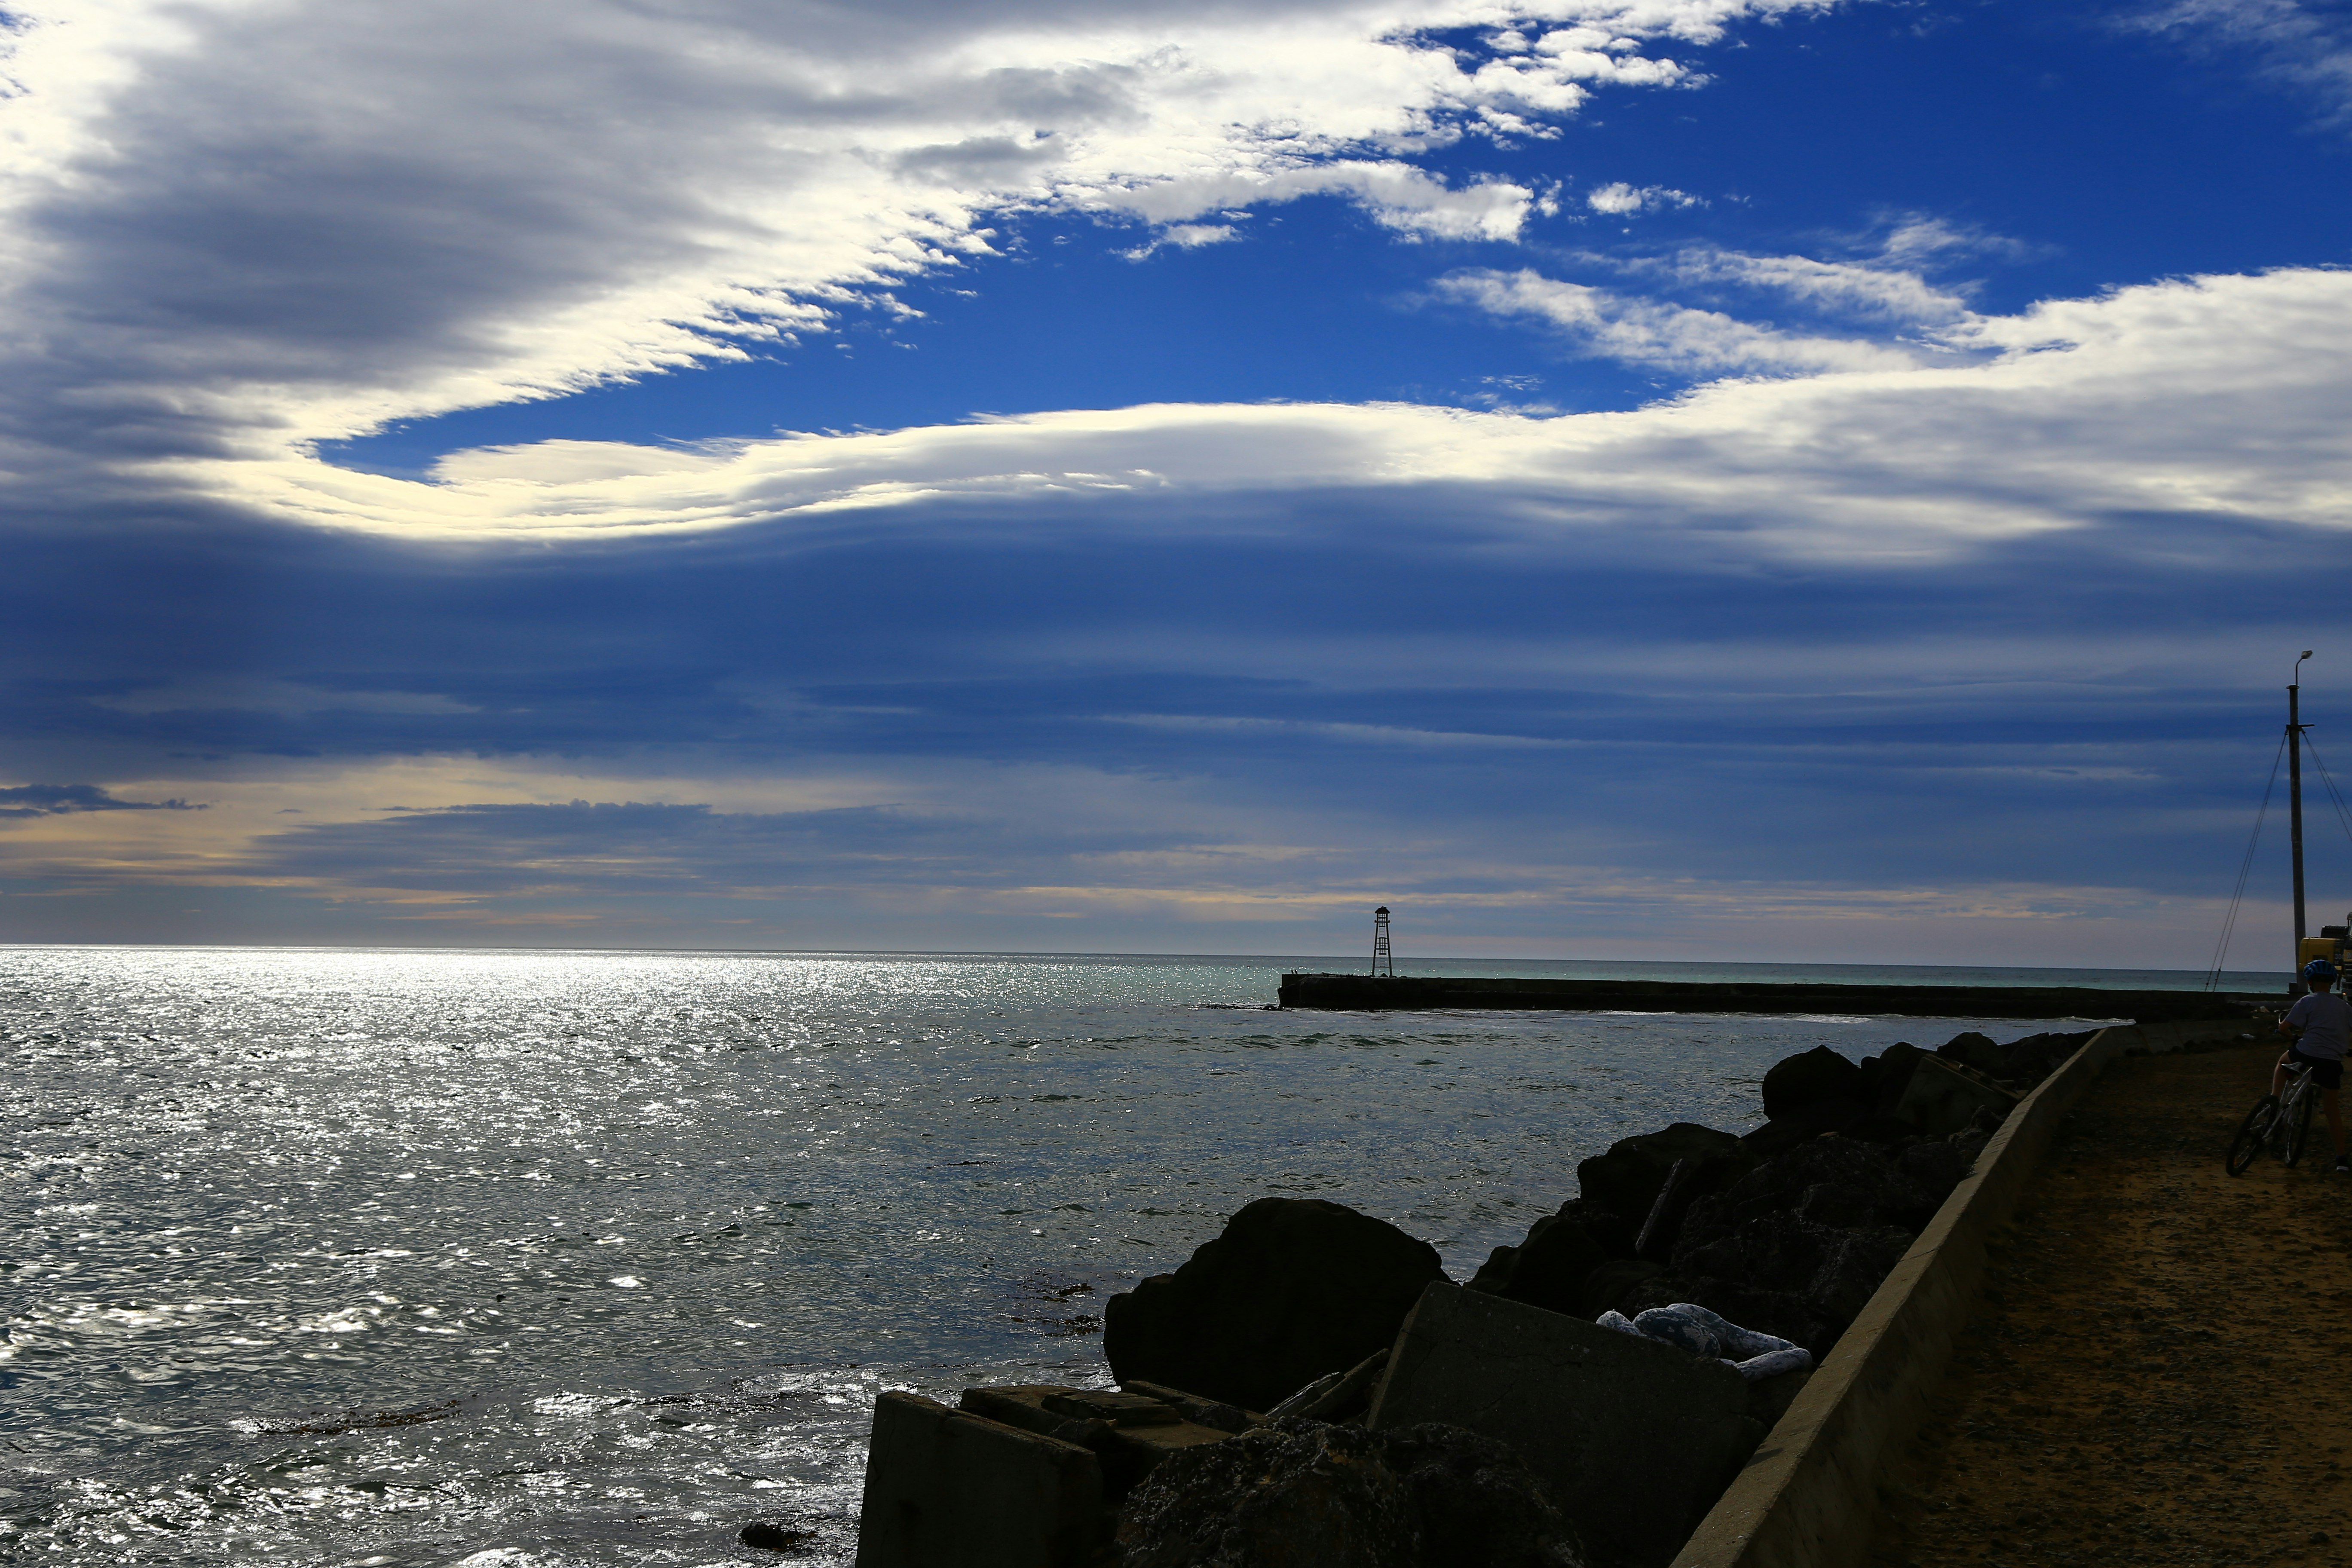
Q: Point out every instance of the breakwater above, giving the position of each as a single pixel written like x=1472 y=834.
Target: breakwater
x=1367 y=994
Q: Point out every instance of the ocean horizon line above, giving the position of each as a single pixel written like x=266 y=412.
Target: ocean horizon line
x=1787 y=971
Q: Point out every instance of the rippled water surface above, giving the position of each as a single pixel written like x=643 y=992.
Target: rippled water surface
x=363 y=1257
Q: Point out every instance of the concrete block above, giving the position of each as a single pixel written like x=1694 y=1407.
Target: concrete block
x=1942 y=1097
x=1129 y=1434
x=1634 y=1439
x=1192 y=1408
x=1107 y=1405
x=948 y=1489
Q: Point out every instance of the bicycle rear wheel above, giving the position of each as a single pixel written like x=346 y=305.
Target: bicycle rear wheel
x=2253 y=1133
x=2298 y=1126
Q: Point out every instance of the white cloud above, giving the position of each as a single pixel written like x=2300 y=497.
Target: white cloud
x=2185 y=399
x=1192 y=236
x=1396 y=195
x=1669 y=337
x=237 y=227
x=1622 y=200
x=1892 y=294
x=2299 y=45
x=1916 y=239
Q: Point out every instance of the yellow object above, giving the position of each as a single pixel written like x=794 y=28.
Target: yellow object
x=2327 y=947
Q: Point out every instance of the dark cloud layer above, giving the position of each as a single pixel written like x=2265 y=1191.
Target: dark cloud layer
x=66 y=800
x=2073 y=710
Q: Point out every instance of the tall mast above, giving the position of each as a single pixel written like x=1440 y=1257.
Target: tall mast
x=2295 y=796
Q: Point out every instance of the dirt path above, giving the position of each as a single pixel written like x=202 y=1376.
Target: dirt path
x=2159 y=1372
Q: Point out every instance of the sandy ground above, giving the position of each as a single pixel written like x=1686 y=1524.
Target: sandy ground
x=2158 y=1372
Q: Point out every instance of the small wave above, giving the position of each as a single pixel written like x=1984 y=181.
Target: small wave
x=324 y=1423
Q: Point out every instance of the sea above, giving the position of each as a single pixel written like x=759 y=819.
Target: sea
x=530 y=1260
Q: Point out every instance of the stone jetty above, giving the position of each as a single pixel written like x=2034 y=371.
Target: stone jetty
x=1401 y=993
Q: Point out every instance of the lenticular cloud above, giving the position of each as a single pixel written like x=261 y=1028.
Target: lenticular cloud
x=236 y=229
x=2071 y=416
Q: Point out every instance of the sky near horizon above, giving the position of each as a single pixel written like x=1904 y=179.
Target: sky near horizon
x=1839 y=481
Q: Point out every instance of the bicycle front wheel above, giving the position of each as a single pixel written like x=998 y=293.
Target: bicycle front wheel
x=2298 y=1127
x=2253 y=1133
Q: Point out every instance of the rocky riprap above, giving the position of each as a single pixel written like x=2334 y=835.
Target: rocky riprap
x=1788 y=1230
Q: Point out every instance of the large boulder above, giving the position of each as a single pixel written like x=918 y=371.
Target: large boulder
x=1607 y=1286
x=1809 y=1122
x=2036 y=1056
x=1796 y=1083
x=1852 y=1273
x=1831 y=1271
x=1944 y=1097
x=1628 y=1178
x=1970 y=1049
x=1888 y=1074
x=1560 y=1253
x=1551 y=1269
x=1293 y=1289
x=1633 y=1439
x=1774 y=1250
x=1614 y=1232
x=1840 y=1182
x=1936 y=1167
x=1302 y=1492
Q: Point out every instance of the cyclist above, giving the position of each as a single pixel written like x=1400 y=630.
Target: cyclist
x=2320 y=1025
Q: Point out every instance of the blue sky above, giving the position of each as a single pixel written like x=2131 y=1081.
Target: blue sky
x=1657 y=478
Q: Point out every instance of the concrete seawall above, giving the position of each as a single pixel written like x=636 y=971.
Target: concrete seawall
x=1808 y=1498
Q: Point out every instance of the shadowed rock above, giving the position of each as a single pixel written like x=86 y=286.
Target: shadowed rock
x=1888 y=1074
x=1786 y=1132
x=1832 y=1272
x=1297 y=1493
x=1627 y=1179
x=1809 y=1079
x=1839 y=1183
x=1608 y=1285
x=1937 y=1167
x=1293 y=1289
x=1549 y=1269
x=1942 y=1096
x=1972 y=1049
x=2030 y=1060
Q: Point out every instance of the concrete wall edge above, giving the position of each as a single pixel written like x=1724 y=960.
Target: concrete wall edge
x=1808 y=1498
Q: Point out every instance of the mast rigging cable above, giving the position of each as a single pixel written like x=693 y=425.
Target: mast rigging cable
x=2246 y=868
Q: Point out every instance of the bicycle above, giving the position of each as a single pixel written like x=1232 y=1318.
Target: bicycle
x=2279 y=1122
